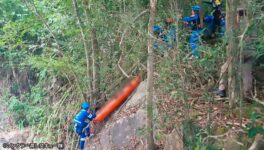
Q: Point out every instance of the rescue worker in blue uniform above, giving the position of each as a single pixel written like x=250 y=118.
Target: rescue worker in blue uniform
x=157 y=30
x=211 y=29
x=218 y=18
x=194 y=22
x=170 y=33
x=81 y=127
x=215 y=23
x=165 y=38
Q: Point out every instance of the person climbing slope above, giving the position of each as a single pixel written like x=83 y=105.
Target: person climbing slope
x=194 y=22
x=81 y=127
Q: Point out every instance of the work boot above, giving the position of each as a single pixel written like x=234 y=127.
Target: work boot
x=221 y=93
x=91 y=135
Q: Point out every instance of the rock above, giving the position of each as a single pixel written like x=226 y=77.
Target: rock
x=138 y=96
x=125 y=129
x=122 y=134
x=258 y=143
x=174 y=141
x=121 y=130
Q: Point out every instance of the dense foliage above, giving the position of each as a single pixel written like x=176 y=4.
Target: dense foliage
x=44 y=61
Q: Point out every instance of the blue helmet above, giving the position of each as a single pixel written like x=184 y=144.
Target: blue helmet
x=157 y=29
x=196 y=8
x=85 y=105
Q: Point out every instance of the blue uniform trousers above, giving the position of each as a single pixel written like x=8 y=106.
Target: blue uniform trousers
x=83 y=130
x=194 y=42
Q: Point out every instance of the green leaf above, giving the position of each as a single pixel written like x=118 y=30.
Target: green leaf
x=260 y=130
x=197 y=148
x=252 y=132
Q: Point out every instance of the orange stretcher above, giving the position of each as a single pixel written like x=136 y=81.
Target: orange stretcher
x=117 y=100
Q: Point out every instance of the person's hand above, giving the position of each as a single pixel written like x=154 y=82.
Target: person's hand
x=94 y=115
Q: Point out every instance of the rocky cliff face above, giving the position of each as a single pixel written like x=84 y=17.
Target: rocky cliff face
x=123 y=129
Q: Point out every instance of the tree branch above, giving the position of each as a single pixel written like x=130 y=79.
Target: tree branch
x=258 y=101
x=122 y=70
x=45 y=25
x=135 y=19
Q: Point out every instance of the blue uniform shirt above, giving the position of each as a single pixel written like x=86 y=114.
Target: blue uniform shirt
x=170 y=37
x=82 y=116
x=193 y=21
x=192 y=18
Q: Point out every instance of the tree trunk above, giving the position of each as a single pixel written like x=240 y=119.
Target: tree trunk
x=96 y=65
x=80 y=24
x=232 y=52
x=150 y=70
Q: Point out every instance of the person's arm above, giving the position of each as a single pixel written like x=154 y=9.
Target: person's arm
x=188 y=19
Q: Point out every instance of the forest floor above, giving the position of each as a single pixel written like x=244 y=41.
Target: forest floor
x=213 y=115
